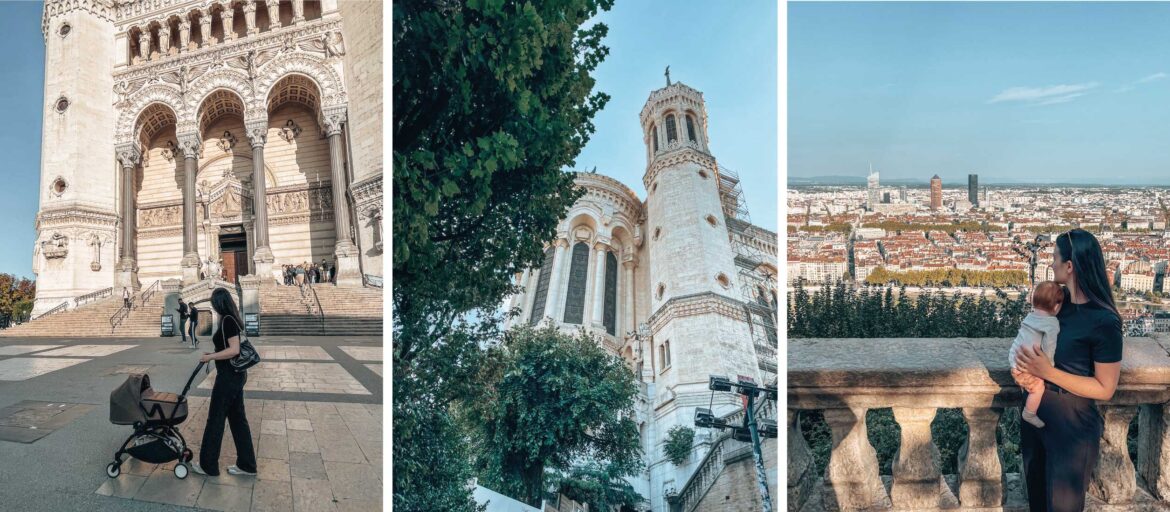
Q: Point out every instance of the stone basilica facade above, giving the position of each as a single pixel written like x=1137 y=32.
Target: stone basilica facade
x=680 y=284
x=184 y=139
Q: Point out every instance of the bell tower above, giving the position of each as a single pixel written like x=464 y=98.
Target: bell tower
x=697 y=320
x=75 y=251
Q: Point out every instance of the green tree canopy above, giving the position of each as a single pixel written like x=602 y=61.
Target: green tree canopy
x=550 y=400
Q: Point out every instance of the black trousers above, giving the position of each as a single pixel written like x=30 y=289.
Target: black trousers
x=183 y=327
x=227 y=403
x=191 y=323
x=1059 y=458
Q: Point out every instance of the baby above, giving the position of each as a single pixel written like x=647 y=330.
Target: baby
x=1039 y=328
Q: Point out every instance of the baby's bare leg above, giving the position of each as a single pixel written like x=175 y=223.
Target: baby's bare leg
x=1035 y=390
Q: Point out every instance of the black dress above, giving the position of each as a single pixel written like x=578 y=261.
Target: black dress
x=227 y=403
x=1059 y=458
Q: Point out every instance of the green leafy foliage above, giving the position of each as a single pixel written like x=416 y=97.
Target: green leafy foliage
x=549 y=400
x=678 y=443
x=16 y=296
x=492 y=100
x=600 y=486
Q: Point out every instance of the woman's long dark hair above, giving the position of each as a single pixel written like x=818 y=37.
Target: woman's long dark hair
x=1082 y=248
x=222 y=303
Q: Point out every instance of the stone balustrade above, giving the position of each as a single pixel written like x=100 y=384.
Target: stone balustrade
x=915 y=377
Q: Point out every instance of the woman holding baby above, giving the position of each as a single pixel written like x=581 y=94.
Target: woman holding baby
x=1060 y=455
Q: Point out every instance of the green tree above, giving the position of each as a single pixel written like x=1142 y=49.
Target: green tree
x=600 y=486
x=678 y=443
x=492 y=100
x=549 y=400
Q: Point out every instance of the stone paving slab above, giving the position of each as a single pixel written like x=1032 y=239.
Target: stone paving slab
x=23 y=368
x=290 y=476
x=298 y=377
x=376 y=368
x=16 y=350
x=269 y=353
x=363 y=353
x=86 y=350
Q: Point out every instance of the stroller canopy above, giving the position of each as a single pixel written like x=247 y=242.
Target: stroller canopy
x=124 y=400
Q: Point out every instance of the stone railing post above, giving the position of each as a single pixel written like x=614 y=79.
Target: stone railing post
x=916 y=476
x=800 y=464
x=852 y=481
x=1154 y=449
x=1114 y=479
x=980 y=472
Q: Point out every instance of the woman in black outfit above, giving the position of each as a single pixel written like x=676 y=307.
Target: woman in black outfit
x=1059 y=458
x=227 y=396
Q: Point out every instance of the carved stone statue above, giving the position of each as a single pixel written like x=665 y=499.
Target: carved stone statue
x=55 y=247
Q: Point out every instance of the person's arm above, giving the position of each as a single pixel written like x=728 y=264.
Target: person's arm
x=232 y=350
x=1100 y=386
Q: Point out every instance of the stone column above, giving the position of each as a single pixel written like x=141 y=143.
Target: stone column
x=184 y=34
x=298 y=11
x=263 y=259
x=916 y=478
x=599 y=285
x=250 y=17
x=164 y=38
x=852 y=481
x=144 y=44
x=273 y=13
x=127 y=276
x=346 y=253
x=980 y=473
x=189 y=144
x=227 y=15
x=205 y=39
x=1154 y=449
x=554 y=283
x=1114 y=479
x=801 y=467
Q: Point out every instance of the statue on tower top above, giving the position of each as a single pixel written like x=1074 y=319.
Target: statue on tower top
x=667 y=76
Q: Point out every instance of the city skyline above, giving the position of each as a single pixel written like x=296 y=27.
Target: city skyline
x=1047 y=93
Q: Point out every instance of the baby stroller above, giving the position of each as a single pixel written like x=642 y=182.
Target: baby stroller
x=154 y=416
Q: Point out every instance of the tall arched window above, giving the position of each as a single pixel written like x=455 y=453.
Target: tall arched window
x=609 y=314
x=578 y=273
x=538 y=301
x=662 y=357
x=667 y=345
x=655 y=130
x=691 y=128
x=671 y=129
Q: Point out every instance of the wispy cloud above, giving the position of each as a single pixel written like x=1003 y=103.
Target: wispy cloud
x=1049 y=95
x=1152 y=78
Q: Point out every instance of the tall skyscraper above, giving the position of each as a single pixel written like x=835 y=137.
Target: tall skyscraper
x=935 y=193
x=973 y=189
x=872 y=189
x=902 y=195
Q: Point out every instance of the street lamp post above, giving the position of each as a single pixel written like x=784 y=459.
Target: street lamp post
x=749 y=429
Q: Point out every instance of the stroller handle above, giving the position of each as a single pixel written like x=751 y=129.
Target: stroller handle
x=192 y=379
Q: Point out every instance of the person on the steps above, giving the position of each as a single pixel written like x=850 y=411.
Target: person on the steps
x=183 y=320
x=194 y=321
x=126 y=297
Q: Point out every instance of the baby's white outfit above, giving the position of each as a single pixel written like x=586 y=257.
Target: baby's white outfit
x=1037 y=329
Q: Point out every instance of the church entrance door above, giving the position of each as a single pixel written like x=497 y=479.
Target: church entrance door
x=233 y=251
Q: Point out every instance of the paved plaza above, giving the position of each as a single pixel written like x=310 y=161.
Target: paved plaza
x=314 y=406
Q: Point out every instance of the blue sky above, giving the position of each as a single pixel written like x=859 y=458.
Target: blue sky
x=1041 y=92
x=20 y=133
x=727 y=50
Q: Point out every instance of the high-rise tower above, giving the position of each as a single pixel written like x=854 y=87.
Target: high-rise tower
x=698 y=325
x=75 y=247
x=973 y=189
x=873 y=186
x=935 y=193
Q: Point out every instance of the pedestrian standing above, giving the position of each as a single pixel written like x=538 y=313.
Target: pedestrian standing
x=126 y=297
x=300 y=275
x=194 y=321
x=183 y=320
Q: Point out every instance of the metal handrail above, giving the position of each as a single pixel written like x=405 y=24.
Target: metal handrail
x=150 y=291
x=374 y=281
x=320 y=310
x=120 y=315
x=105 y=292
x=62 y=307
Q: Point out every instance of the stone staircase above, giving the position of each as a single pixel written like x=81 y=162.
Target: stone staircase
x=286 y=311
x=92 y=320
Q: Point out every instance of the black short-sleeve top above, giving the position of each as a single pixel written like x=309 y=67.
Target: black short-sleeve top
x=228 y=327
x=1089 y=333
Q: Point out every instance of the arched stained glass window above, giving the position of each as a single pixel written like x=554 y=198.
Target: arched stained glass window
x=691 y=129
x=609 y=315
x=538 y=302
x=671 y=129
x=578 y=274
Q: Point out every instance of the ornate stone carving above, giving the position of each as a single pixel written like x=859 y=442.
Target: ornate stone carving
x=56 y=246
x=96 y=242
x=190 y=145
x=161 y=216
x=332 y=120
x=100 y=8
x=165 y=94
x=326 y=78
x=257 y=131
x=227 y=142
x=290 y=131
x=169 y=152
x=334 y=46
x=128 y=155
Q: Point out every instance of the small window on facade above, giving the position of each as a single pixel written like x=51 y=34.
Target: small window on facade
x=723 y=280
x=667 y=344
x=655 y=134
x=691 y=129
x=703 y=174
x=542 y=280
x=658 y=292
x=662 y=356
x=712 y=220
x=657 y=233
x=64 y=30
x=62 y=105
x=671 y=129
x=575 y=296
x=59 y=186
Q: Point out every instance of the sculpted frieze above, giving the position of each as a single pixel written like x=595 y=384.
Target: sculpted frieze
x=158 y=217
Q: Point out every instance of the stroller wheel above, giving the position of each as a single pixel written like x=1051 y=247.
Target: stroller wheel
x=187 y=455
x=181 y=470
x=113 y=469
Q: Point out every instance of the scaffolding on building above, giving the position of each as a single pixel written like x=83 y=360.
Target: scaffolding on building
x=754 y=247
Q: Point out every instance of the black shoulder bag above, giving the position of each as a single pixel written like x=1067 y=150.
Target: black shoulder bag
x=248 y=357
